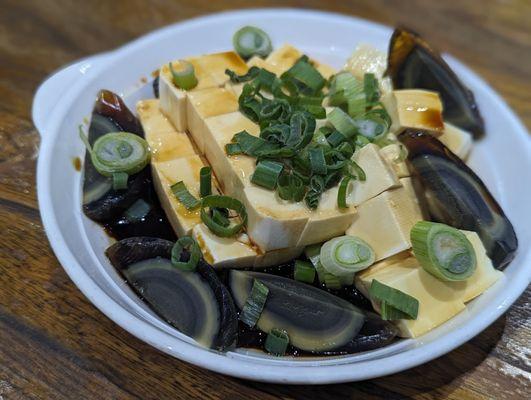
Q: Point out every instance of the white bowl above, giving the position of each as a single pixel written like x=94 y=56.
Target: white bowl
x=502 y=159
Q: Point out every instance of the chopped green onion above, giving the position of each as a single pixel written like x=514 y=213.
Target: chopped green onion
x=266 y=174
x=371 y=128
x=317 y=160
x=304 y=271
x=359 y=173
x=291 y=187
x=233 y=149
x=345 y=87
x=250 y=40
x=184 y=77
x=119 y=180
x=321 y=272
x=332 y=281
x=342 y=122
x=252 y=145
x=389 y=313
x=205 y=181
x=342 y=192
x=443 y=251
x=138 y=211
x=220 y=216
x=254 y=305
x=346 y=255
x=320 y=138
x=356 y=106
x=305 y=74
x=347 y=280
x=184 y=196
x=186 y=242
x=370 y=87
x=336 y=138
x=394 y=298
x=277 y=342
x=248 y=76
x=118 y=152
x=215 y=201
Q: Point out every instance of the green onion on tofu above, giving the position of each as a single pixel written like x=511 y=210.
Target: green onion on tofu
x=186 y=242
x=216 y=201
x=346 y=255
x=443 y=251
x=250 y=41
x=183 y=76
x=205 y=181
x=394 y=300
x=186 y=198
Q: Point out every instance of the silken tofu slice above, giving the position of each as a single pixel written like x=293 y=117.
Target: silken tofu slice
x=457 y=140
x=438 y=300
x=380 y=176
x=368 y=59
x=284 y=57
x=165 y=142
x=207 y=103
x=385 y=221
x=392 y=155
x=328 y=220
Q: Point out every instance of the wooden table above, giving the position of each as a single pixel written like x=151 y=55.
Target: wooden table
x=55 y=345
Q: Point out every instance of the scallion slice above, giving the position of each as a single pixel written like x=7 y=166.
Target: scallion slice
x=205 y=181
x=345 y=255
x=233 y=149
x=119 y=180
x=304 y=271
x=395 y=298
x=220 y=216
x=336 y=138
x=305 y=74
x=252 y=309
x=188 y=243
x=332 y=281
x=342 y=192
x=277 y=342
x=138 y=211
x=216 y=201
x=186 y=198
x=250 y=40
x=389 y=313
x=342 y=122
x=184 y=76
x=317 y=160
x=119 y=152
x=370 y=87
x=443 y=251
x=266 y=174
x=358 y=172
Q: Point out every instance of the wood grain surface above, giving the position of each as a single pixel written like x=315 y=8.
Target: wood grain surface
x=55 y=345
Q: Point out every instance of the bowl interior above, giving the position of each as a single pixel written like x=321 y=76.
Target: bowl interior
x=501 y=159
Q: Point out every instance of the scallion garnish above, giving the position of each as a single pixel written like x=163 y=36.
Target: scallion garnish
x=184 y=76
x=305 y=76
x=119 y=180
x=266 y=174
x=220 y=216
x=332 y=281
x=216 y=201
x=304 y=271
x=184 y=196
x=254 y=305
x=189 y=261
x=317 y=160
x=358 y=172
x=250 y=40
x=342 y=122
x=443 y=251
x=342 y=192
x=345 y=255
x=137 y=211
x=277 y=342
x=370 y=87
x=389 y=313
x=336 y=138
x=205 y=181
x=395 y=298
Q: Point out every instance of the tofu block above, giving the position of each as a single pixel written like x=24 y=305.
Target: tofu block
x=284 y=57
x=414 y=108
x=210 y=72
x=224 y=252
x=259 y=62
x=164 y=141
x=438 y=301
x=385 y=221
x=368 y=59
x=485 y=274
x=277 y=257
x=328 y=220
x=233 y=172
x=457 y=140
x=380 y=176
x=206 y=103
x=273 y=223
x=165 y=174
x=392 y=155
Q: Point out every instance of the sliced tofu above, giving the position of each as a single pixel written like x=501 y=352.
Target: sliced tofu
x=277 y=257
x=385 y=221
x=259 y=62
x=284 y=57
x=207 y=103
x=392 y=155
x=210 y=72
x=328 y=220
x=414 y=108
x=224 y=252
x=165 y=142
x=485 y=274
x=438 y=301
x=368 y=59
x=233 y=172
x=380 y=176
x=457 y=140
